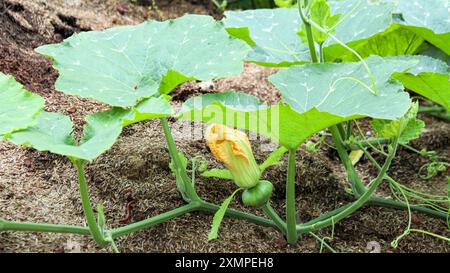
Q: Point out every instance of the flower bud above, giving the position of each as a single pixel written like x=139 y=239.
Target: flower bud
x=233 y=149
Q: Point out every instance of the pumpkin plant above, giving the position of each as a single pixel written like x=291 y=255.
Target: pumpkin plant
x=133 y=69
x=321 y=91
x=327 y=82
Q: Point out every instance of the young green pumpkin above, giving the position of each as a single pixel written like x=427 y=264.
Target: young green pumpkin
x=233 y=149
x=258 y=195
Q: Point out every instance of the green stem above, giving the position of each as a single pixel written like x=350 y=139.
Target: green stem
x=342 y=134
x=376 y=201
x=267 y=208
x=431 y=109
x=379 y=201
x=325 y=216
x=369 y=72
x=356 y=204
x=323 y=242
x=291 y=214
x=212 y=208
x=117 y=232
x=311 y=45
x=357 y=185
x=87 y=208
x=321 y=54
x=353 y=177
x=154 y=220
x=436 y=111
x=443 y=115
x=430 y=234
x=176 y=159
x=348 y=132
x=114 y=247
x=368 y=143
x=37 y=227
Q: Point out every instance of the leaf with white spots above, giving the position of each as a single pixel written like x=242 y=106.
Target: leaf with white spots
x=427 y=18
x=18 y=107
x=120 y=66
x=394 y=41
x=436 y=53
x=279 y=123
x=429 y=78
x=360 y=20
x=53 y=133
x=271 y=32
x=335 y=88
x=274 y=33
x=316 y=96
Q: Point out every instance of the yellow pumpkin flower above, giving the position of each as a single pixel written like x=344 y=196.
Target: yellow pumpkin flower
x=233 y=149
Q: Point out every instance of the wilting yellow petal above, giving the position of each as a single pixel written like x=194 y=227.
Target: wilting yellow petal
x=355 y=156
x=233 y=149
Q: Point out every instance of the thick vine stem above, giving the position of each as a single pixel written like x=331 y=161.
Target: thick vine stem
x=367 y=143
x=325 y=215
x=291 y=214
x=431 y=109
x=363 y=199
x=87 y=208
x=267 y=208
x=40 y=227
x=212 y=208
x=192 y=206
x=160 y=218
x=190 y=191
x=195 y=204
x=357 y=185
x=309 y=35
x=443 y=115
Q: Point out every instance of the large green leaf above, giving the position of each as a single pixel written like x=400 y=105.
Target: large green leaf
x=280 y=122
x=436 y=53
x=53 y=132
x=271 y=32
x=154 y=107
x=408 y=128
x=361 y=19
x=428 y=18
x=18 y=107
x=394 y=41
x=120 y=66
x=316 y=99
x=334 y=88
x=429 y=78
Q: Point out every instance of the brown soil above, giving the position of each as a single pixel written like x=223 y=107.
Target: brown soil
x=42 y=187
